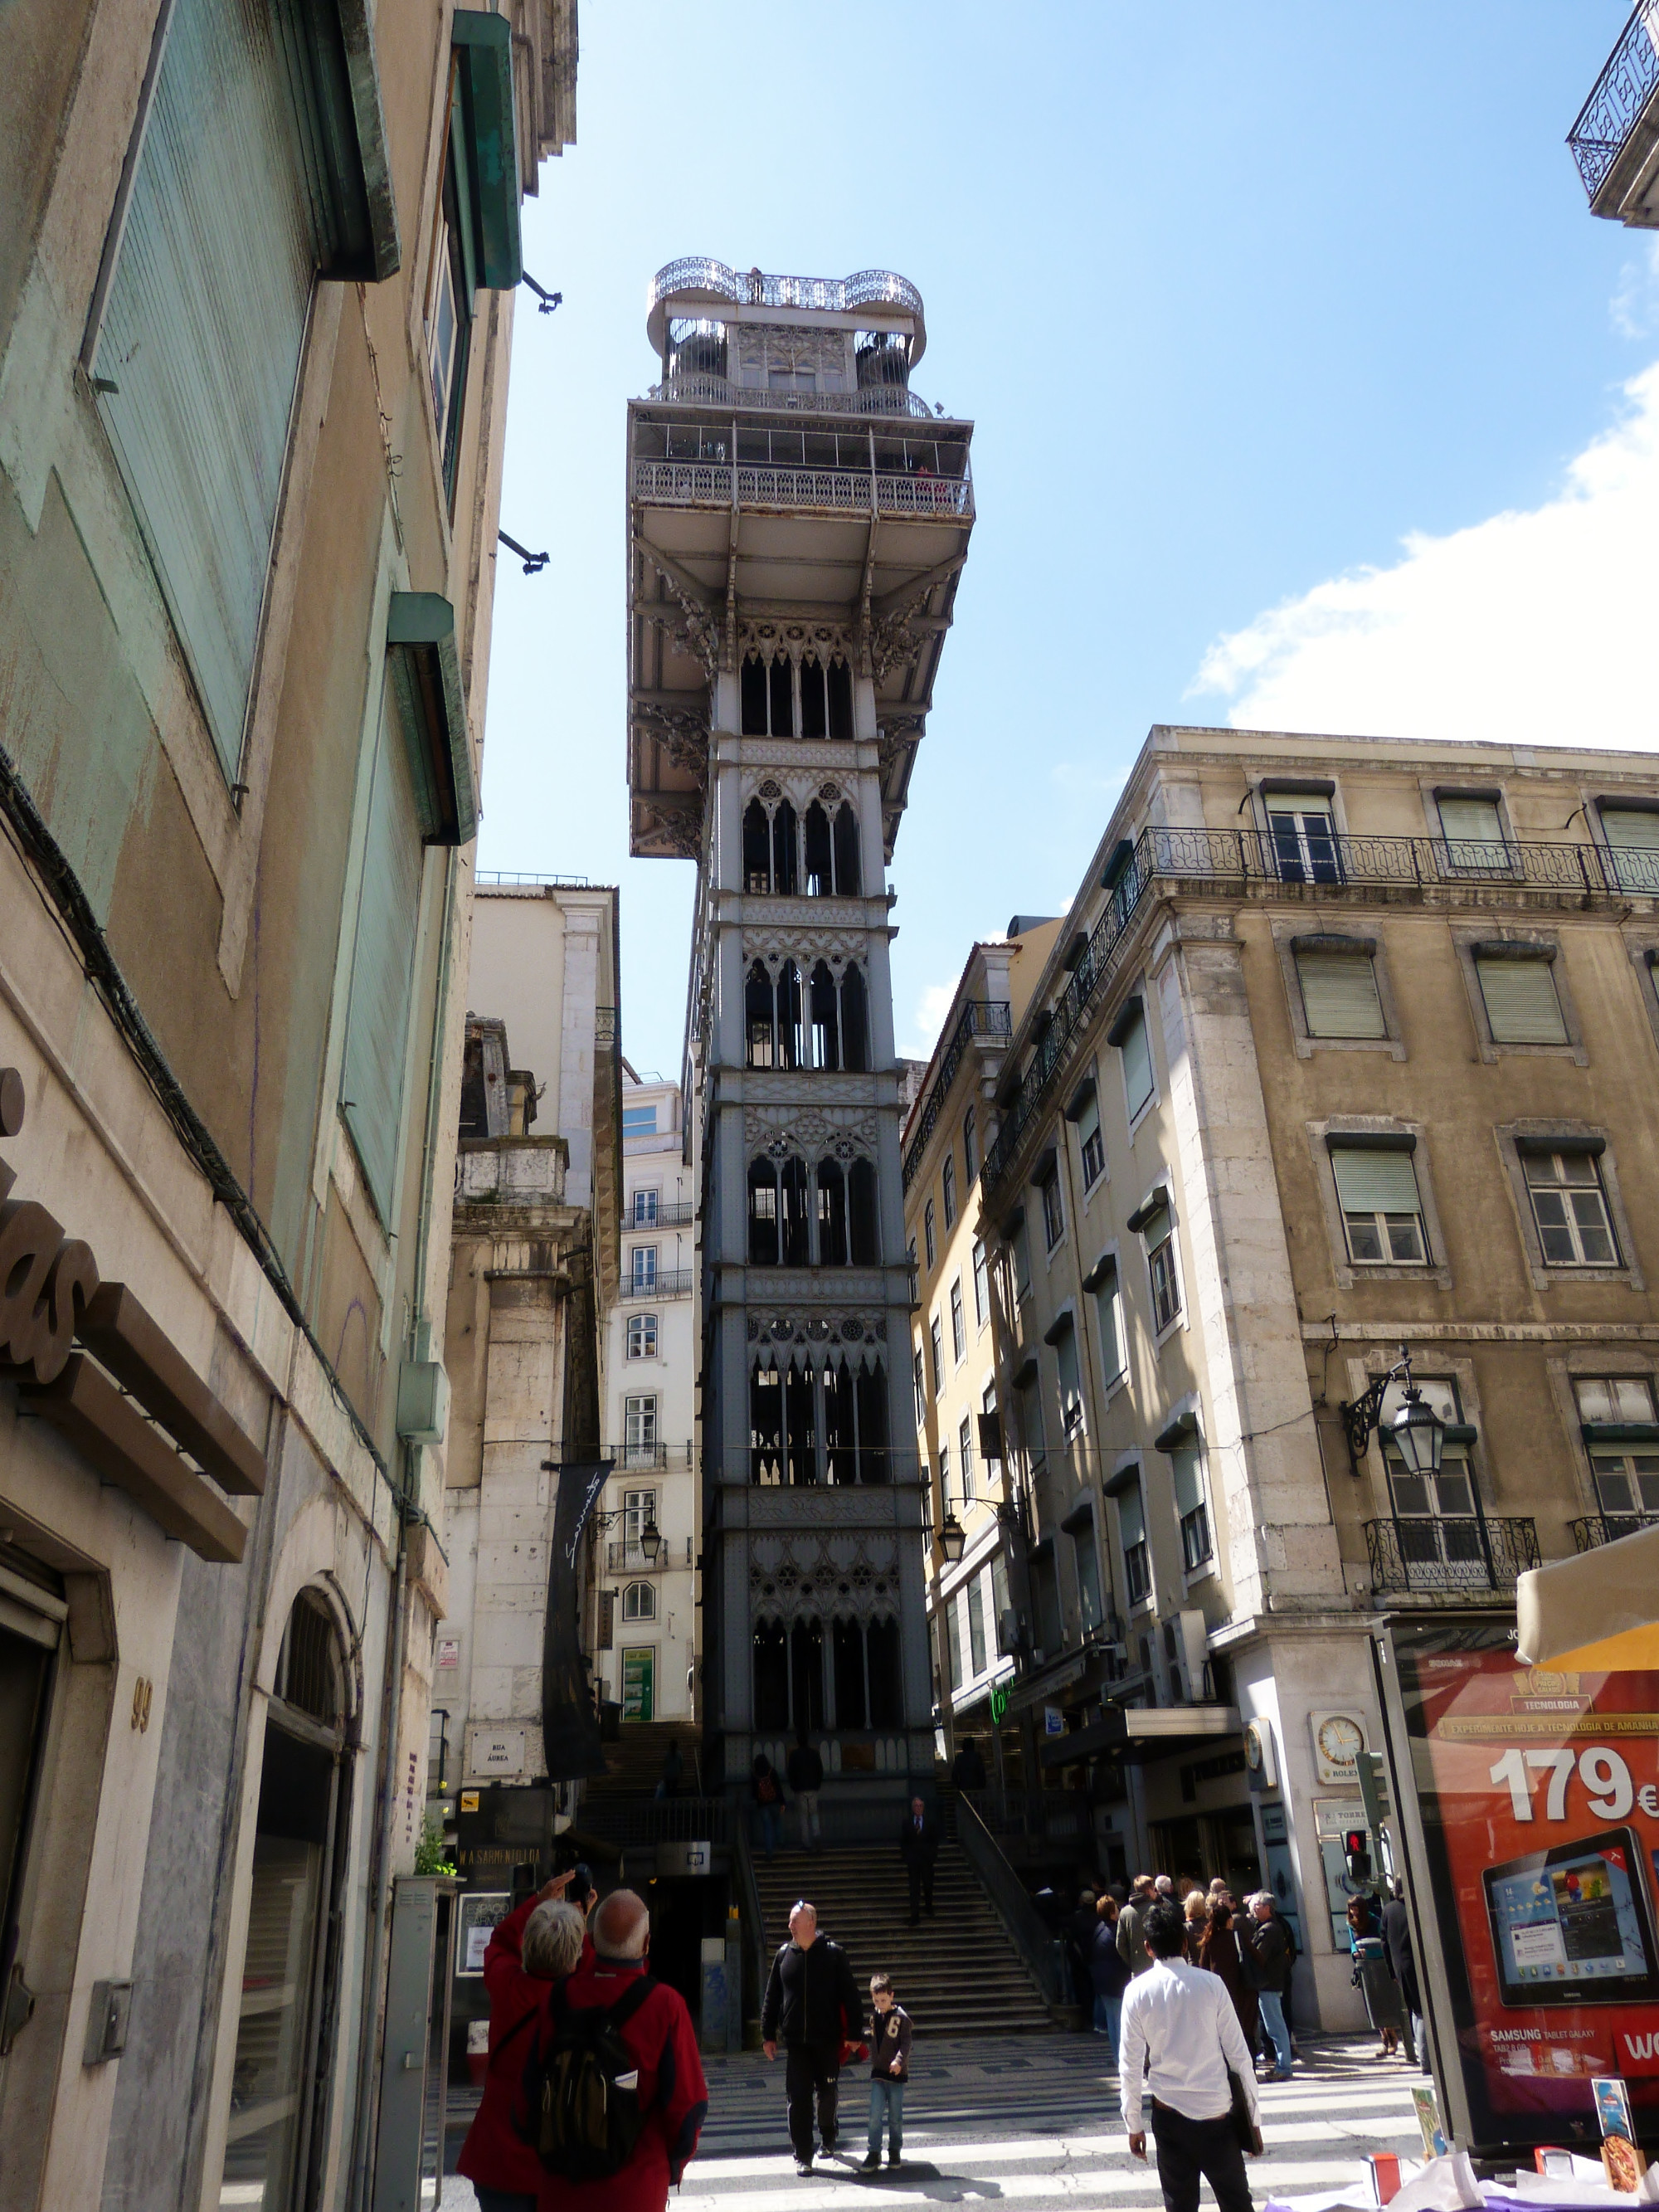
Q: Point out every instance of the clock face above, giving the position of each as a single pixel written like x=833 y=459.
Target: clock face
x=1341 y=1740
x=1253 y=1750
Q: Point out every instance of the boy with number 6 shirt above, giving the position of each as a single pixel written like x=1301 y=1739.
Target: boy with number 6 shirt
x=890 y=2069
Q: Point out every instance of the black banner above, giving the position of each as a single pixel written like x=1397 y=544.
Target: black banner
x=570 y=1720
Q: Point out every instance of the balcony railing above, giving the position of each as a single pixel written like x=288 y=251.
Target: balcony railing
x=980 y=1018
x=629 y=1558
x=1618 y=98
x=750 y=288
x=1598 y=1528
x=1450 y=1555
x=846 y=491
x=700 y=388
x=1246 y=860
x=673 y=1283
x=679 y=1215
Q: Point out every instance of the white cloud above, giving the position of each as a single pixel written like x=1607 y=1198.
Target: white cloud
x=1531 y=628
x=929 y=1019
x=1634 y=308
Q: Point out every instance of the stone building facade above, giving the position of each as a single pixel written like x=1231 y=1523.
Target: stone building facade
x=1343 y=1044
x=256 y=292
x=798 y=520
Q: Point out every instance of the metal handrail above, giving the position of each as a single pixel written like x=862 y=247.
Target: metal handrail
x=980 y=1018
x=674 y=1216
x=1431 y=1554
x=1603 y=124
x=709 y=483
x=673 y=1283
x=1595 y=1529
x=700 y=387
x=751 y=287
x=1324 y=865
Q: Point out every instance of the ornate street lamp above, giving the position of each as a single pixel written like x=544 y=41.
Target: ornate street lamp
x=952 y=1538
x=650 y=1543
x=1418 y=1430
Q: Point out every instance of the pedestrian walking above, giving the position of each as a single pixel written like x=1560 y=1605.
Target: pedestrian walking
x=811 y=2005
x=535 y=1945
x=1132 y=1925
x=919 y=1849
x=611 y=1995
x=804 y=1767
x=1371 y=1977
x=1218 y=1953
x=1182 y=2040
x=890 y=2069
x=766 y=1788
x=1403 y=1962
x=967 y=1768
x=1108 y=1975
x=1265 y=1943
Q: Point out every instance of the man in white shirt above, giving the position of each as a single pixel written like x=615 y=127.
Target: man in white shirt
x=1179 y=2029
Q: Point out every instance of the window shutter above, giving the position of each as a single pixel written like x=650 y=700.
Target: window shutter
x=1339 y=995
x=1131 y=1518
x=1189 y=1486
x=1471 y=821
x=1522 y=1005
x=1369 y=1180
x=1631 y=827
x=382 y=964
x=1137 y=1064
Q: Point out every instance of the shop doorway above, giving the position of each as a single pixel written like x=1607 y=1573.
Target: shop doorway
x=290 y=1970
x=639 y=1682
x=1203 y=1846
x=29 y=1633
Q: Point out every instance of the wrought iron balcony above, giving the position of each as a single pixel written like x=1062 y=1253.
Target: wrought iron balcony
x=1596 y=1529
x=842 y=491
x=629 y=1557
x=676 y=1215
x=983 y=1018
x=1621 y=97
x=1431 y=1554
x=673 y=1283
x=1246 y=863
x=700 y=387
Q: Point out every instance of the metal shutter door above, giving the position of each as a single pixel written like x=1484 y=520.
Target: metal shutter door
x=1339 y=995
x=1521 y=1004
x=202 y=330
x=1374 y=1182
x=382 y=966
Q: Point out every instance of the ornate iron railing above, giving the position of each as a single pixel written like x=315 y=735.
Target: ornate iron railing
x=674 y=1215
x=750 y=288
x=980 y=1018
x=1618 y=97
x=629 y=1557
x=1317 y=865
x=1450 y=1555
x=709 y=483
x=700 y=388
x=673 y=1283
x=1595 y=1529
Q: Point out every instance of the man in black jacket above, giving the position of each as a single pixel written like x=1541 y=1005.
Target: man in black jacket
x=812 y=2006
x=805 y=1771
x=919 y=1849
x=1397 y=1941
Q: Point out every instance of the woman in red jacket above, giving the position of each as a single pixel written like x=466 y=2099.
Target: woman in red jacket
x=535 y=1948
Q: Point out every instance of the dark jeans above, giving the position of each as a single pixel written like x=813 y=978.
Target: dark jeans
x=1187 y=2149
x=811 y=2068
x=920 y=1872
x=502 y=2200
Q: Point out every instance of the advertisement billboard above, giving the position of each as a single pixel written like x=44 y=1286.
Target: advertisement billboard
x=1536 y=1802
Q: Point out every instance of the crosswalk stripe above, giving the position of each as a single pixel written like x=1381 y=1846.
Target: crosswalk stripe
x=1267 y=2176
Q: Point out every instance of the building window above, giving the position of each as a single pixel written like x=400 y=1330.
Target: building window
x=990 y=1432
x=770 y=849
x=1186 y=1476
x=1571 y=1209
x=831 y=848
x=1092 y=1144
x=974 y=1595
x=1339 y=992
x=1054 y=1214
x=952 y=1619
x=950 y=1185
x=639 y=1514
x=1071 y=1383
x=1626 y=1469
x=1021 y=1250
x=1522 y=1005
x=970 y=1143
x=929 y=1236
x=1086 y=1564
x=958 y=1323
x=640 y=1428
x=920 y=1382
x=1028 y=1397
x=642 y=1264
x=640 y=1601
x=645 y=1209
x=1131 y=1529
x=938 y=1333
x=1632 y=836
x=779 y=1204
x=1382 y=1209
x=1108 y=1315
x=1161 y=1267
x=1473 y=831
x=639 y=1121
x=1303 y=839
x=1134 y=1048
x=944 y=1476
x=643 y=1336
x=965 y=1457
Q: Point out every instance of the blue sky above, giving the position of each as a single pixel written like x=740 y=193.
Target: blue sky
x=1307 y=391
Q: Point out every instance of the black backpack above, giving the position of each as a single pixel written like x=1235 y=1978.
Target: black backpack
x=582 y=2093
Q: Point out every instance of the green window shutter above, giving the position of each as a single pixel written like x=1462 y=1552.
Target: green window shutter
x=1131 y=1519
x=1339 y=995
x=1137 y=1064
x=1370 y=1180
x=1187 y=1483
x=1522 y=1005
x=1471 y=821
x=1631 y=828
x=484 y=48
x=382 y=964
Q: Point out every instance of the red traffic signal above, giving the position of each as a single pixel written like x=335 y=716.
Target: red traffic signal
x=1356 y=1846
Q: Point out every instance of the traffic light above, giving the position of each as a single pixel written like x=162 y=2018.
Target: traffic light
x=1374 y=1788
x=1356 y=1846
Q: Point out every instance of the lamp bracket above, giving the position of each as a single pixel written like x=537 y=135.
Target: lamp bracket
x=1362 y=1416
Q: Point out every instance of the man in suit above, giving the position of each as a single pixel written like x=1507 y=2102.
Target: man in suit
x=919 y=1849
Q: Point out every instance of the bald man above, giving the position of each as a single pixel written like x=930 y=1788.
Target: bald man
x=673 y=2094
x=812 y=2006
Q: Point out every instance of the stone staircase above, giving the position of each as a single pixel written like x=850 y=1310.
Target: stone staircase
x=633 y=1765
x=958 y=1974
